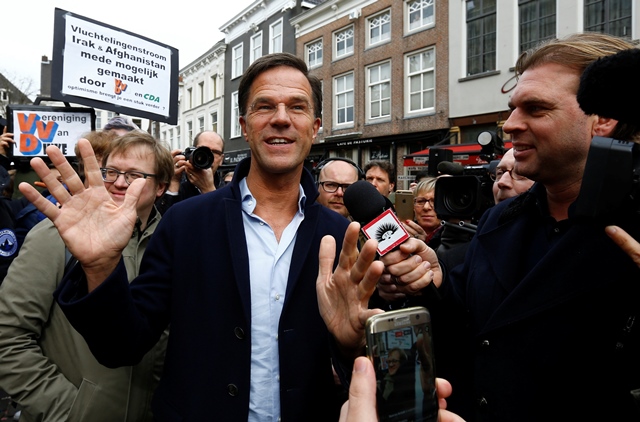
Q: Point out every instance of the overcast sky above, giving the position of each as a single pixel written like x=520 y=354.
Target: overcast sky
x=191 y=26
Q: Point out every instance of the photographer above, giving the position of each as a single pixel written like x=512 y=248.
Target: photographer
x=189 y=180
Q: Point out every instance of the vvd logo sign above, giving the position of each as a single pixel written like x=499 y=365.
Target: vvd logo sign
x=30 y=125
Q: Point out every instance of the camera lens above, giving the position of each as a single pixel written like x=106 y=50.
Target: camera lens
x=459 y=202
x=202 y=158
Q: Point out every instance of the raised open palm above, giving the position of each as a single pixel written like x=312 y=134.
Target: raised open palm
x=92 y=225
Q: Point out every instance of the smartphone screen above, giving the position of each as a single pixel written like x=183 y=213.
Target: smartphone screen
x=399 y=344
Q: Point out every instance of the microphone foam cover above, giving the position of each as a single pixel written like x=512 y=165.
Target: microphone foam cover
x=450 y=168
x=364 y=202
x=607 y=82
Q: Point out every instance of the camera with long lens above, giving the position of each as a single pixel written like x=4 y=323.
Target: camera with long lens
x=465 y=195
x=199 y=157
x=611 y=180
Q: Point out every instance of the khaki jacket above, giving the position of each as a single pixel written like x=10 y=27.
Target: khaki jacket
x=45 y=365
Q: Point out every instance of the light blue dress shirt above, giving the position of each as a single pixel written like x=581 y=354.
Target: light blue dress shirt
x=269 y=262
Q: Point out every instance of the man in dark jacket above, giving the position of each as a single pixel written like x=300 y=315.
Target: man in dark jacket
x=545 y=303
x=233 y=272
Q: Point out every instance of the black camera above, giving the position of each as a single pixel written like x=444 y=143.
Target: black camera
x=611 y=180
x=465 y=196
x=199 y=157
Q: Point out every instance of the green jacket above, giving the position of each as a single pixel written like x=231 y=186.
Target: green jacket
x=45 y=365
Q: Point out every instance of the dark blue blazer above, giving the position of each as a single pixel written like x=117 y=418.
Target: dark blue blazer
x=557 y=342
x=195 y=278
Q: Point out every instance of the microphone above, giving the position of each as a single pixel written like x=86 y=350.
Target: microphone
x=605 y=77
x=375 y=214
x=450 y=168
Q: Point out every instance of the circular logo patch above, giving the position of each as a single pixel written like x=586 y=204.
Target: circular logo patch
x=8 y=242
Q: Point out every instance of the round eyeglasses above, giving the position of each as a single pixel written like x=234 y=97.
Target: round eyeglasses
x=421 y=202
x=110 y=175
x=500 y=172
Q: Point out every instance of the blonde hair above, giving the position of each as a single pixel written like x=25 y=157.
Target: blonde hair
x=576 y=51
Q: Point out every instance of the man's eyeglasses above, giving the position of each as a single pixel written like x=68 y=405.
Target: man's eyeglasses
x=267 y=109
x=421 y=202
x=331 y=187
x=500 y=172
x=110 y=175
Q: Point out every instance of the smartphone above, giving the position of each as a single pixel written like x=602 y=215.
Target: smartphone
x=404 y=205
x=400 y=346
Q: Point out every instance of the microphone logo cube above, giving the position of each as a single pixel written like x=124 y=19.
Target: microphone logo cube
x=387 y=230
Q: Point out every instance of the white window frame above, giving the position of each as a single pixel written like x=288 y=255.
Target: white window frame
x=410 y=75
x=380 y=20
x=214 y=121
x=275 y=39
x=346 y=95
x=411 y=9
x=342 y=35
x=200 y=124
x=256 y=47
x=236 y=60
x=371 y=86
x=236 y=130
x=189 y=131
x=312 y=49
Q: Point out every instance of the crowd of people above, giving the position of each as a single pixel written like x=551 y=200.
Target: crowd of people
x=119 y=306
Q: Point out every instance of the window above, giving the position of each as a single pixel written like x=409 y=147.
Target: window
x=419 y=14
x=611 y=17
x=481 y=36
x=235 y=116
x=256 y=46
x=189 y=98
x=190 y=131
x=4 y=95
x=421 y=84
x=537 y=22
x=275 y=37
x=214 y=86
x=201 y=91
x=314 y=53
x=214 y=122
x=379 y=28
x=344 y=97
x=236 y=61
x=200 y=124
x=98 y=120
x=379 y=91
x=171 y=137
x=344 y=42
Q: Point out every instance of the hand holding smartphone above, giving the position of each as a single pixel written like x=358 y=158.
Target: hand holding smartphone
x=400 y=346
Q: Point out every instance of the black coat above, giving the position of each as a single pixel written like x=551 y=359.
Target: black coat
x=195 y=277
x=544 y=319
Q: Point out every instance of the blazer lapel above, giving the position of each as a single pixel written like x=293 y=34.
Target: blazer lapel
x=240 y=255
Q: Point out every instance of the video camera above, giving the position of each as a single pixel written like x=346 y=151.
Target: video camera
x=467 y=194
x=200 y=157
x=611 y=180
